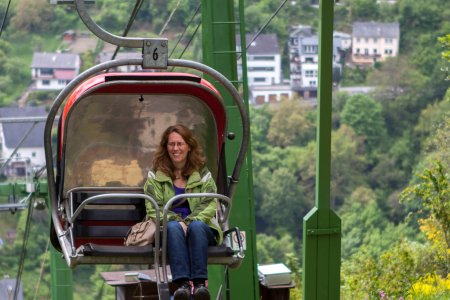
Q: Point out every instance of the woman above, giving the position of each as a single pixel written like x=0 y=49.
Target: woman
x=179 y=167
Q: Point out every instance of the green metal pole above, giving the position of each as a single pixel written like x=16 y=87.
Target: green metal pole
x=60 y=273
x=61 y=277
x=321 y=226
x=219 y=52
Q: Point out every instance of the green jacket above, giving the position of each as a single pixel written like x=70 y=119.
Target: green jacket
x=160 y=187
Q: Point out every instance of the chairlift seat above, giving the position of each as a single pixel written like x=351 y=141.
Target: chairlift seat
x=109 y=129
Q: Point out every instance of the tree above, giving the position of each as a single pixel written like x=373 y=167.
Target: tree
x=348 y=164
x=32 y=16
x=433 y=193
x=282 y=201
x=274 y=249
x=363 y=114
x=260 y=119
x=364 y=10
x=114 y=15
x=291 y=124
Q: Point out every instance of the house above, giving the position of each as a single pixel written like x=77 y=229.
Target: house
x=31 y=153
x=69 y=36
x=106 y=56
x=52 y=71
x=262 y=94
x=374 y=41
x=8 y=287
x=304 y=58
x=263 y=60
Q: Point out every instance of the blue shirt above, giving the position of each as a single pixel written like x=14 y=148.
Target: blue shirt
x=183 y=210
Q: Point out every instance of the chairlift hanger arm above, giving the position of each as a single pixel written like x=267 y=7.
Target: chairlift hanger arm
x=128 y=42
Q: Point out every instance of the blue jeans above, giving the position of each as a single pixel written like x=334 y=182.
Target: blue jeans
x=188 y=255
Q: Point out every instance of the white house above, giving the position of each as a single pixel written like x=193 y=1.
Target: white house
x=52 y=71
x=304 y=58
x=30 y=140
x=262 y=94
x=106 y=56
x=263 y=60
x=374 y=41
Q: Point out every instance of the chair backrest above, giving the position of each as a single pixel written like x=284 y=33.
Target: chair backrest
x=112 y=123
x=106 y=221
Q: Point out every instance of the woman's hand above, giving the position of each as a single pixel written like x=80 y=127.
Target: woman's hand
x=184 y=226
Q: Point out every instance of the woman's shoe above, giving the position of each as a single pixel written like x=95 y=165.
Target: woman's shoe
x=183 y=292
x=201 y=292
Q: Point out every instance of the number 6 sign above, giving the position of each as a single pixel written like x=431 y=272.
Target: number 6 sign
x=155 y=54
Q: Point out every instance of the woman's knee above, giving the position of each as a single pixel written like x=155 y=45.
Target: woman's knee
x=174 y=227
x=197 y=226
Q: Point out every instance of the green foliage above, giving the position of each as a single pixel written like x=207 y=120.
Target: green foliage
x=12 y=70
x=32 y=16
x=338 y=103
x=396 y=77
x=433 y=193
x=274 y=249
x=363 y=114
x=347 y=164
x=365 y=226
x=260 y=119
x=364 y=10
x=354 y=76
x=390 y=275
x=445 y=42
x=291 y=124
x=282 y=200
x=417 y=17
x=113 y=15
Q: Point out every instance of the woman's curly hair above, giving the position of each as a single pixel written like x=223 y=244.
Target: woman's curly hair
x=195 y=158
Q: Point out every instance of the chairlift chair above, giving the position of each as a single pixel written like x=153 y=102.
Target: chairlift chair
x=109 y=128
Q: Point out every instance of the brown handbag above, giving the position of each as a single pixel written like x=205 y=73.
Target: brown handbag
x=141 y=234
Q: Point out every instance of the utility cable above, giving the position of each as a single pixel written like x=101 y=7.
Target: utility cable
x=185 y=29
x=4 y=18
x=44 y=260
x=169 y=18
x=264 y=26
x=26 y=234
x=189 y=42
x=133 y=15
x=18 y=146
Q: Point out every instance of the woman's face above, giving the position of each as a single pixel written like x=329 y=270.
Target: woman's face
x=178 y=149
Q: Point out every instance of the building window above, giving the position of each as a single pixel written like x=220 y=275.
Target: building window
x=272 y=98
x=358 y=50
x=366 y=40
x=46 y=71
x=366 y=51
x=264 y=58
x=374 y=51
x=45 y=82
x=388 y=51
x=388 y=40
x=309 y=73
x=260 y=99
x=309 y=60
x=310 y=49
x=259 y=79
x=261 y=69
x=312 y=83
x=375 y=40
x=33 y=154
x=358 y=40
x=62 y=82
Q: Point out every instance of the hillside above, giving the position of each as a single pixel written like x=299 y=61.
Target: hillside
x=390 y=160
